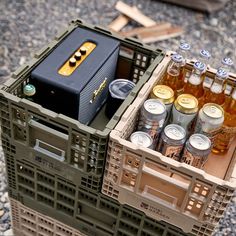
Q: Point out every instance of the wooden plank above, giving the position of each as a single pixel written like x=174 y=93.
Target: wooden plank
x=140 y=30
x=120 y=22
x=150 y=37
x=133 y=14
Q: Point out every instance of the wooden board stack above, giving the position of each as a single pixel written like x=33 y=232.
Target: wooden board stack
x=150 y=31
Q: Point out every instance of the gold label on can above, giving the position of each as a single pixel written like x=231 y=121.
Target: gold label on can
x=186 y=103
x=164 y=93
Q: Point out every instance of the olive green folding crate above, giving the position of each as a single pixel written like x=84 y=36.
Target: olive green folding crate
x=97 y=215
x=35 y=135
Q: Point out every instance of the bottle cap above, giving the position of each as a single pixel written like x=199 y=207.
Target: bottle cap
x=199 y=66
x=184 y=46
x=177 y=58
x=227 y=61
x=222 y=73
x=205 y=54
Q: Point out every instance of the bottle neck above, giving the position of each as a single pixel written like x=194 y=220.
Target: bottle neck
x=218 y=85
x=196 y=77
x=232 y=106
x=173 y=69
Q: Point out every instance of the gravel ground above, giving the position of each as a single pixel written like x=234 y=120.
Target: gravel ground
x=26 y=26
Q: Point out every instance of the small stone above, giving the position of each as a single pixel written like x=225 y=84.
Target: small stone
x=4 y=217
x=197 y=34
x=7 y=205
x=22 y=60
x=4 y=72
x=9 y=232
x=4 y=197
x=214 y=22
x=1 y=213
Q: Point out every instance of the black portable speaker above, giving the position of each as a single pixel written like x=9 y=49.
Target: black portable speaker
x=73 y=79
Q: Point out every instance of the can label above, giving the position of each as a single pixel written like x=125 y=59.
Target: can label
x=172 y=152
x=193 y=160
x=182 y=119
x=204 y=128
x=153 y=128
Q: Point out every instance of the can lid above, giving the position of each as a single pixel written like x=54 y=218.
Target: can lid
x=186 y=103
x=199 y=66
x=222 y=73
x=213 y=110
x=175 y=132
x=200 y=142
x=141 y=138
x=164 y=93
x=154 y=106
x=184 y=46
x=205 y=54
x=120 y=88
x=177 y=58
x=227 y=61
x=29 y=90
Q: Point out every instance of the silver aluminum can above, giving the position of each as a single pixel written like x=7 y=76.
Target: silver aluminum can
x=197 y=150
x=210 y=120
x=142 y=139
x=152 y=117
x=172 y=141
x=184 y=111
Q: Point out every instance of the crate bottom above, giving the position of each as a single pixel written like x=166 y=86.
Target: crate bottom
x=27 y=222
x=157 y=211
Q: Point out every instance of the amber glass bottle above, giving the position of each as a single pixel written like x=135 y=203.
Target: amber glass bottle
x=172 y=78
x=194 y=84
x=225 y=138
x=216 y=92
x=184 y=49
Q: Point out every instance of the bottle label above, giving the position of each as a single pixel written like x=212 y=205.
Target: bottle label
x=207 y=82
x=225 y=137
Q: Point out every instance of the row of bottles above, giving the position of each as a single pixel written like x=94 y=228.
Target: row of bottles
x=219 y=90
